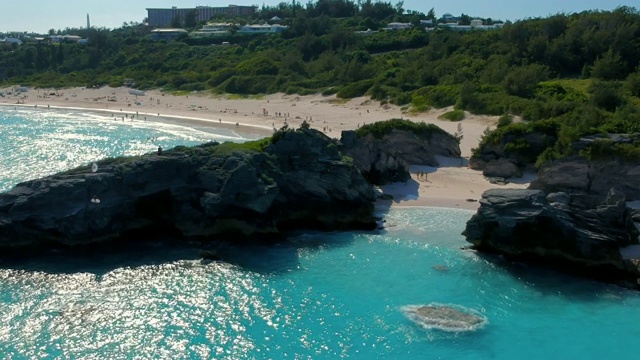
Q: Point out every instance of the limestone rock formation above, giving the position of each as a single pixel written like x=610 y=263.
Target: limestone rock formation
x=387 y=158
x=300 y=180
x=597 y=177
x=528 y=145
x=575 y=232
x=502 y=168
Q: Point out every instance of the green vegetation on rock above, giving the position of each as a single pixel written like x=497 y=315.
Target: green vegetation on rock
x=381 y=128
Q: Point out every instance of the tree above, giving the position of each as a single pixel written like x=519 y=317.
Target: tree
x=609 y=67
x=523 y=81
x=606 y=95
x=400 y=8
x=60 y=54
x=465 y=19
x=431 y=14
x=633 y=83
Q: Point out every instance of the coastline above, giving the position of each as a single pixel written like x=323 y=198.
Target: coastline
x=451 y=185
x=251 y=131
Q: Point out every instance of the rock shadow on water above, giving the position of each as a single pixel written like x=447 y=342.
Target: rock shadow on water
x=284 y=256
x=575 y=285
x=266 y=257
x=445 y=317
x=100 y=260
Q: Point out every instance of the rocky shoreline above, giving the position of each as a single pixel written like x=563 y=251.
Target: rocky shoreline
x=573 y=217
x=257 y=191
x=303 y=180
x=575 y=233
x=298 y=181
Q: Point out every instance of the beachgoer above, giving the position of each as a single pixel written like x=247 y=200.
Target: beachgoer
x=159 y=150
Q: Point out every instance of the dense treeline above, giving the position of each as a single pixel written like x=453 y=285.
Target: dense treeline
x=579 y=70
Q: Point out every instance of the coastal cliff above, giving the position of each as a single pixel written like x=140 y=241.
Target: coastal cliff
x=590 y=176
x=295 y=180
x=577 y=233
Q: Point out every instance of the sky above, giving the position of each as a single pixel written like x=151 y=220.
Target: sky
x=41 y=15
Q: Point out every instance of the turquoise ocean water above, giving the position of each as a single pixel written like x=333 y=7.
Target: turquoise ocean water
x=315 y=296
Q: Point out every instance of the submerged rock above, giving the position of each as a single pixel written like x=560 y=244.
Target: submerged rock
x=452 y=318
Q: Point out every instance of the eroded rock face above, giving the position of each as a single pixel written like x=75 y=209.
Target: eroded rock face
x=387 y=159
x=501 y=168
x=301 y=181
x=597 y=177
x=572 y=231
x=489 y=156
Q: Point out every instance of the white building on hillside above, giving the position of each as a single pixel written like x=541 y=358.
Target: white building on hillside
x=426 y=23
x=476 y=24
x=398 y=26
x=366 y=32
x=213 y=29
x=262 y=29
x=167 y=34
x=64 y=38
x=11 y=41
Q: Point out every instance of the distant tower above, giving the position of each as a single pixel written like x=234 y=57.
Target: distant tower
x=88 y=22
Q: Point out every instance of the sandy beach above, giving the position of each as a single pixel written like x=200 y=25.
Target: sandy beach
x=450 y=185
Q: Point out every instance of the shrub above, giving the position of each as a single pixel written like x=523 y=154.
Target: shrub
x=523 y=81
x=455 y=115
x=606 y=149
x=505 y=120
x=381 y=128
x=401 y=98
x=355 y=89
x=249 y=84
x=439 y=96
x=606 y=94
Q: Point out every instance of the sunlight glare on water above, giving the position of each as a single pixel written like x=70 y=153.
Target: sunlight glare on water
x=39 y=143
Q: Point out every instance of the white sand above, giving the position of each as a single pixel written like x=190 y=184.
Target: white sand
x=449 y=185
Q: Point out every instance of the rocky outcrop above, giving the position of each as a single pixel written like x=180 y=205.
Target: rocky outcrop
x=501 y=168
x=215 y=190
x=387 y=158
x=575 y=232
x=453 y=318
x=515 y=150
x=596 y=177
